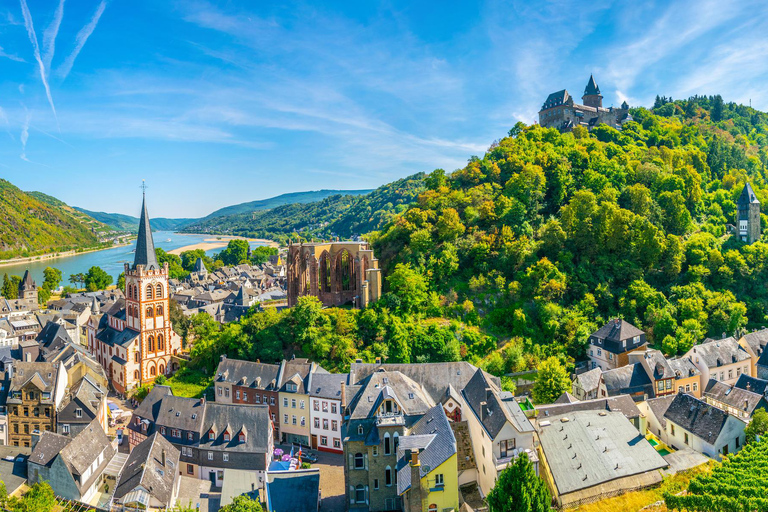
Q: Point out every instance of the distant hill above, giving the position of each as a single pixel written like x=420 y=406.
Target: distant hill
x=35 y=223
x=343 y=215
x=122 y=222
x=129 y=223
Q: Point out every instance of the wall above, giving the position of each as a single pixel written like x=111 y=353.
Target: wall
x=329 y=433
x=448 y=497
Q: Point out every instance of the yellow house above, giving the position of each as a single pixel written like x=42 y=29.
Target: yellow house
x=754 y=343
x=687 y=376
x=428 y=455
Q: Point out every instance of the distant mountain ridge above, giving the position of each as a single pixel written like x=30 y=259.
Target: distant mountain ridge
x=129 y=223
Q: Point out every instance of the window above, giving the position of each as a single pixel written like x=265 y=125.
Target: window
x=359 y=430
x=190 y=469
x=395 y=442
x=64 y=429
x=317 y=422
x=660 y=385
x=359 y=461
x=78 y=413
x=506 y=446
x=151 y=344
x=375 y=450
x=211 y=436
x=301 y=404
x=218 y=388
x=672 y=428
x=226 y=457
x=334 y=425
x=226 y=436
x=730 y=374
x=687 y=388
x=325 y=406
x=324 y=440
x=293 y=403
x=439 y=479
x=190 y=437
x=680 y=389
x=137 y=359
x=315 y=405
x=226 y=392
x=360 y=494
x=149 y=291
x=285 y=418
x=669 y=384
x=336 y=442
x=599 y=352
x=325 y=424
x=432 y=507
x=293 y=420
x=375 y=484
x=686 y=438
x=387 y=444
x=159 y=291
x=210 y=455
x=160 y=342
x=388 y=476
x=285 y=402
x=302 y=421
x=162 y=430
x=241 y=437
x=257 y=398
x=333 y=408
x=237 y=394
x=695 y=386
x=271 y=400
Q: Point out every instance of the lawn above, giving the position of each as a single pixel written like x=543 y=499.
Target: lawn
x=636 y=500
x=189 y=383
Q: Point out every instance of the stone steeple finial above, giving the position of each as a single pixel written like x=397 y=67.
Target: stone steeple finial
x=145 y=246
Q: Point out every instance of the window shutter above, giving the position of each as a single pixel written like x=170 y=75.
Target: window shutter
x=365 y=459
x=366 y=495
x=351 y=495
x=351 y=461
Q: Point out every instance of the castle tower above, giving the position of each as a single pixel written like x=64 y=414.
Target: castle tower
x=592 y=96
x=27 y=287
x=748 y=215
x=146 y=303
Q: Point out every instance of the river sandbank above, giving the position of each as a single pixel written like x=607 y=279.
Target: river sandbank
x=219 y=243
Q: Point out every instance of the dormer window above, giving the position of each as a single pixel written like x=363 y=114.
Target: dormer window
x=211 y=436
x=241 y=437
x=359 y=430
x=226 y=436
x=78 y=413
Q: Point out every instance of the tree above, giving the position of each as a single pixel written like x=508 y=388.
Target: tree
x=758 y=427
x=78 y=279
x=52 y=278
x=552 y=381
x=97 y=279
x=121 y=281
x=11 y=287
x=410 y=287
x=449 y=225
x=717 y=108
x=242 y=504
x=235 y=253
x=262 y=253
x=519 y=489
x=39 y=498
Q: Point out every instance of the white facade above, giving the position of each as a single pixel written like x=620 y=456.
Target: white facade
x=730 y=440
x=325 y=424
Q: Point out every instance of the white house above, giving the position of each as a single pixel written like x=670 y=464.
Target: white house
x=326 y=411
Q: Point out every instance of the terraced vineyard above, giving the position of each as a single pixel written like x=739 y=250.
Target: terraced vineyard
x=738 y=484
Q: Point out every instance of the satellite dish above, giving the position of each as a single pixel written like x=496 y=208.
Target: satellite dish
x=426 y=469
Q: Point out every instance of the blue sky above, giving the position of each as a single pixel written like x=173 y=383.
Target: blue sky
x=216 y=103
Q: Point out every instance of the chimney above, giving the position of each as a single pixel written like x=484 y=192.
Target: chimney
x=162 y=457
x=483 y=405
x=417 y=496
x=222 y=357
x=202 y=400
x=488 y=393
x=343 y=395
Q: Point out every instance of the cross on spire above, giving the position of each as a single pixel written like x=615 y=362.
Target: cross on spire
x=143 y=188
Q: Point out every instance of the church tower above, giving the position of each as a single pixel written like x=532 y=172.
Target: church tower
x=146 y=305
x=27 y=287
x=748 y=208
x=592 y=96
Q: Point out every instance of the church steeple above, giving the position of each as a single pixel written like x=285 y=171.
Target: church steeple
x=145 y=246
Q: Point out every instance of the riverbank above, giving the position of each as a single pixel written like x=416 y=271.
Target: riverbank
x=219 y=242
x=56 y=255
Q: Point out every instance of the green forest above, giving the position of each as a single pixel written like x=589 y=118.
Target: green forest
x=342 y=215
x=522 y=253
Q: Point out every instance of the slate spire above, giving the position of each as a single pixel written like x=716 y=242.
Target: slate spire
x=592 y=87
x=145 y=246
x=747 y=195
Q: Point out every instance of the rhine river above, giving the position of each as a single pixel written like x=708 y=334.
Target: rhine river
x=111 y=260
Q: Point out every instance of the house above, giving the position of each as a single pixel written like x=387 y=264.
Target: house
x=211 y=436
x=427 y=468
x=150 y=478
x=610 y=345
x=622 y=404
x=13 y=468
x=589 y=385
x=293 y=392
x=706 y=429
x=755 y=343
x=630 y=380
x=593 y=454
x=246 y=382
x=36 y=391
x=722 y=360
x=654 y=410
x=326 y=409
x=83 y=404
x=687 y=376
x=753 y=384
x=73 y=465
x=499 y=429
x=761 y=366
x=739 y=402
x=657 y=368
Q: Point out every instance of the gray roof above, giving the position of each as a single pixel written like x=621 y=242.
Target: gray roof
x=433 y=437
x=200 y=266
x=298 y=371
x=328 y=385
x=112 y=336
x=591 y=87
x=13 y=466
x=717 y=353
x=295 y=490
x=631 y=378
x=390 y=384
x=697 y=417
x=588 y=448
x=53 y=336
x=738 y=398
x=566 y=398
x=145 y=246
x=150 y=406
x=86 y=395
x=253 y=420
x=753 y=384
x=757 y=341
x=181 y=413
x=144 y=468
x=763 y=359
x=493 y=407
x=617 y=331
x=555 y=99
x=683 y=367
x=747 y=196
x=43 y=375
x=658 y=364
x=622 y=403
x=48 y=448
x=659 y=407
x=247 y=373
x=590 y=380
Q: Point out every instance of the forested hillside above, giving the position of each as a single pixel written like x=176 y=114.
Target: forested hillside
x=343 y=215
x=525 y=251
x=121 y=222
x=34 y=224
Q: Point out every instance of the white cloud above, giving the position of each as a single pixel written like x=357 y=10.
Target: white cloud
x=80 y=39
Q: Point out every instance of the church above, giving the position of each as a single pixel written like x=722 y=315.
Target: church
x=561 y=112
x=134 y=340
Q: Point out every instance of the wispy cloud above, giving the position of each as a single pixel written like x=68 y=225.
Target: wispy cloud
x=25 y=137
x=49 y=36
x=11 y=56
x=36 y=49
x=80 y=40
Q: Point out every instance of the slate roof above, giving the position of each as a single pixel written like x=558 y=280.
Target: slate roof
x=716 y=353
x=145 y=246
x=683 y=367
x=753 y=384
x=658 y=364
x=590 y=380
x=555 y=99
x=500 y=407
x=247 y=373
x=181 y=413
x=86 y=395
x=591 y=87
x=253 y=419
x=615 y=332
x=144 y=466
x=301 y=368
x=622 y=403
x=631 y=378
x=701 y=419
x=739 y=399
x=592 y=448
x=390 y=384
x=84 y=449
x=763 y=359
x=328 y=385
x=747 y=196
x=112 y=336
x=297 y=490
x=757 y=341
x=566 y=398
x=433 y=437
x=150 y=406
x=659 y=407
x=43 y=375
x=48 y=448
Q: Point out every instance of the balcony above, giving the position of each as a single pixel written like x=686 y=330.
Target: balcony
x=502 y=462
x=390 y=419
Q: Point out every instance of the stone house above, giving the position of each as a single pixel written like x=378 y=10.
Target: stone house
x=36 y=391
x=562 y=112
x=609 y=346
x=657 y=368
x=687 y=376
x=755 y=344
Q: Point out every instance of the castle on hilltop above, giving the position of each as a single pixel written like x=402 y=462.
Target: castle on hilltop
x=561 y=112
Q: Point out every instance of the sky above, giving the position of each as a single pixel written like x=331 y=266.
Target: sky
x=217 y=103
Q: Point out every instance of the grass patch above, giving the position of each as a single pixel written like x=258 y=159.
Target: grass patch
x=189 y=383
x=636 y=500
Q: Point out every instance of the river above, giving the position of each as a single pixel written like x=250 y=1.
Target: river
x=111 y=260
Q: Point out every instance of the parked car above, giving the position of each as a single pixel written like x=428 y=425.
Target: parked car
x=307 y=456
x=120 y=437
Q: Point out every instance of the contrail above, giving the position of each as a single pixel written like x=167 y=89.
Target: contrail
x=80 y=41
x=49 y=36
x=24 y=138
x=33 y=39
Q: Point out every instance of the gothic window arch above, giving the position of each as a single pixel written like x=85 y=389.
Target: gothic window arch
x=150 y=312
x=344 y=271
x=152 y=371
x=306 y=283
x=149 y=291
x=136 y=374
x=137 y=357
x=388 y=476
x=160 y=342
x=324 y=277
x=161 y=369
x=151 y=343
x=159 y=310
x=159 y=291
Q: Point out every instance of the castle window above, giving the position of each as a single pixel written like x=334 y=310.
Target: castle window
x=149 y=291
x=136 y=357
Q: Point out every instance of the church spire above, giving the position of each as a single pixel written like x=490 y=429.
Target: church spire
x=592 y=87
x=145 y=246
